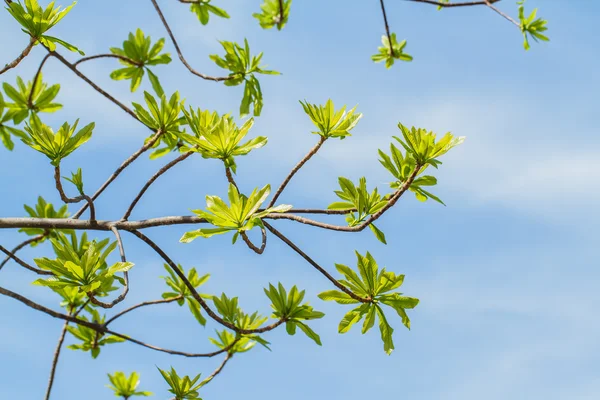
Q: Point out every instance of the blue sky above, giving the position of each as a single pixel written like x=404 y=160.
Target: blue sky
x=506 y=273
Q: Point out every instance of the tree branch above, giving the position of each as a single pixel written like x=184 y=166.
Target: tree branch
x=118 y=171
x=251 y=245
x=217 y=371
x=22 y=245
x=178 y=49
x=23 y=263
x=151 y=181
x=287 y=180
x=144 y=304
x=102 y=329
x=315 y=265
x=387 y=27
x=458 y=4
x=20 y=57
x=77 y=199
x=123 y=58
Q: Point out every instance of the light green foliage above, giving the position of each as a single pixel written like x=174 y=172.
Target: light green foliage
x=241 y=215
x=287 y=306
x=124 y=386
x=232 y=313
x=77 y=180
x=359 y=198
x=91 y=340
x=82 y=265
x=41 y=99
x=531 y=26
x=180 y=289
x=225 y=340
x=138 y=48
x=331 y=123
x=55 y=146
x=391 y=52
x=219 y=137
x=7 y=131
x=243 y=67
x=72 y=298
x=183 y=388
x=423 y=147
x=271 y=14
x=36 y=21
x=401 y=167
x=203 y=9
x=43 y=209
x=375 y=286
x=165 y=117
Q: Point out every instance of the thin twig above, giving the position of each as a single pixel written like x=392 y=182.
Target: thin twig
x=251 y=245
x=123 y=165
x=61 y=339
x=178 y=49
x=20 y=57
x=23 y=263
x=230 y=177
x=22 y=245
x=315 y=265
x=459 y=4
x=387 y=28
x=123 y=58
x=77 y=199
x=144 y=304
x=151 y=181
x=102 y=329
x=217 y=371
x=195 y=293
x=287 y=180
x=123 y=294
x=507 y=17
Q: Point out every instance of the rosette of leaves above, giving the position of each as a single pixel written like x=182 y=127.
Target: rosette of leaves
x=203 y=9
x=401 y=167
x=391 y=51
x=240 y=216
x=77 y=180
x=232 y=313
x=243 y=67
x=236 y=344
x=332 y=123
x=72 y=298
x=165 y=118
x=124 y=386
x=82 y=266
x=359 y=198
x=26 y=102
x=183 y=388
x=59 y=145
x=36 y=21
x=138 y=55
x=43 y=209
x=272 y=13
x=219 y=137
x=376 y=286
x=424 y=148
x=7 y=131
x=182 y=292
x=91 y=340
x=531 y=26
x=287 y=306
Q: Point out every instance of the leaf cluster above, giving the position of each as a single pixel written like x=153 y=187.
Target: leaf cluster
x=181 y=291
x=139 y=54
x=287 y=306
x=203 y=9
x=532 y=26
x=124 y=386
x=272 y=15
x=331 y=123
x=423 y=147
x=374 y=285
x=43 y=209
x=243 y=67
x=241 y=215
x=34 y=97
x=219 y=137
x=91 y=340
x=36 y=21
x=391 y=51
x=183 y=388
x=59 y=145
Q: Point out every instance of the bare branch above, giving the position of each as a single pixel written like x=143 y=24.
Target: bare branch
x=287 y=180
x=123 y=58
x=151 y=181
x=217 y=371
x=23 y=263
x=178 y=49
x=149 y=143
x=20 y=57
x=22 y=245
x=315 y=265
x=77 y=199
x=458 y=4
x=505 y=16
x=251 y=245
x=144 y=304
x=387 y=27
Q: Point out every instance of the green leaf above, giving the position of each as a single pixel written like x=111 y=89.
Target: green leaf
x=391 y=51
